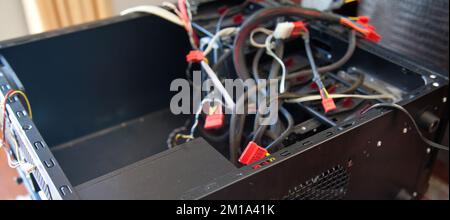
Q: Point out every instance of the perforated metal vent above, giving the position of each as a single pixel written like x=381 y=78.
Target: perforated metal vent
x=329 y=185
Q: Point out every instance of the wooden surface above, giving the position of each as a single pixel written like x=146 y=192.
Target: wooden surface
x=9 y=190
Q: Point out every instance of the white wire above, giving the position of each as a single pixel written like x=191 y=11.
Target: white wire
x=173 y=7
x=163 y=13
x=339 y=96
x=259 y=30
x=283 y=67
x=11 y=164
x=217 y=36
x=212 y=75
x=155 y=10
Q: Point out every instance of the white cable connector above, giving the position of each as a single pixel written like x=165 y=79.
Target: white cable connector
x=283 y=30
x=288 y=30
x=28 y=167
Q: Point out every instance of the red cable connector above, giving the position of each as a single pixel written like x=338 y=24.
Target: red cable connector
x=215 y=119
x=363 y=27
x=300 y=28
x=287 y=30
x=327 y=103
x=195 y=56
x=238 y=19
x=363 y=19
x=347 y=102
x=373 y=36
x=252 y=153
x=221 y=10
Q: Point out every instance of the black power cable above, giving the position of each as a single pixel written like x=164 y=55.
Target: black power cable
x=400 y=108
x=267 y=15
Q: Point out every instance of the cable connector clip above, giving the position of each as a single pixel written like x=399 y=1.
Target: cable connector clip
x=300 y=28
x=287 y=30
x=215 y=119
x=195 y=56
x=238 y=19
x=221 y=10
x=252 y=153
x=363 y=19
x=363 y=26
x=373 y=36
x=328 y=104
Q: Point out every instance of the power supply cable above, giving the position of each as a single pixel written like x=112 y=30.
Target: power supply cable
x=416 y=126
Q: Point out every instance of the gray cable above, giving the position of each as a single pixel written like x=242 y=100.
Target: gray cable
x=288 y=130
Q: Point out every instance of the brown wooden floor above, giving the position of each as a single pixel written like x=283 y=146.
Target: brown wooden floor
x=9 y=190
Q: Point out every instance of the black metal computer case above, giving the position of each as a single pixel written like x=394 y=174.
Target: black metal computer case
x=100 y=95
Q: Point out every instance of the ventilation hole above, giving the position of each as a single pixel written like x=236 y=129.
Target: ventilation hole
x=329 y=185
x=343 y=127
x=27 y=127
x=306 y=143
x=256 y=167
x=285 y=154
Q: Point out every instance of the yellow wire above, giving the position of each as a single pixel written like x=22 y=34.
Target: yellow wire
x=17 y=92
x=349 y=1
x=178 y=136
x=30 y=113
x=326 y=93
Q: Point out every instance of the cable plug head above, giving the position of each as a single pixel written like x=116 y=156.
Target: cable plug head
x=286 y=30
x=221 y=10
x=363 y=27
x=283 y=30
x=252 y=153
x=238 y=19
x=328 y=104
x=373 y=36
x=363 y=19
x=300 y=28
x=215 y=119
x=195 y=56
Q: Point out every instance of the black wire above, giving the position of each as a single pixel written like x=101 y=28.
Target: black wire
x=221 y=62
x=266 y=15
x=221 y=19
x=255 y=65
x=237 y=122
x=288 y=130
x=334 y=66
x=400 y=108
